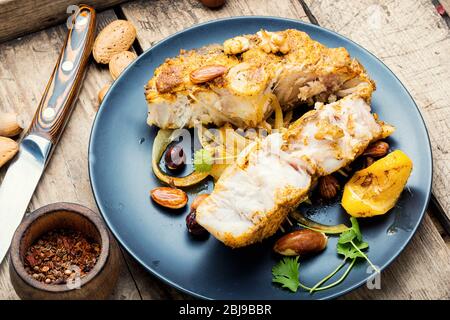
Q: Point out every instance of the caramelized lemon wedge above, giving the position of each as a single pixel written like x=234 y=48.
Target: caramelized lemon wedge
x=375 y=189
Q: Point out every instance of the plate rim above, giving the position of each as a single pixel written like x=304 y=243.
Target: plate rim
x=267 y=18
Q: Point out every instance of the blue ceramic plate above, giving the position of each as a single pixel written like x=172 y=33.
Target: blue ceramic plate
x=121 y=177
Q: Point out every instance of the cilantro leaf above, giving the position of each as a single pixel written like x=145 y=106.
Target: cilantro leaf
x=350 y=241
x=347 y=236
x=349 y=251
x=203 y=160
x=286 y=273
x=354 y=233
x=355 y=228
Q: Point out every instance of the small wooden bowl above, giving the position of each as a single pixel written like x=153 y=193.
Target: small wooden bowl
x=97 y=284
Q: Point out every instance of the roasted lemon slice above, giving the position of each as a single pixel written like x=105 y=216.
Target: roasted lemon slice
x=375 y=189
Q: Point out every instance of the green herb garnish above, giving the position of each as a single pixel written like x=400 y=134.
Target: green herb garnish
x=203 y=160
x=286 y=273
x=350 y=245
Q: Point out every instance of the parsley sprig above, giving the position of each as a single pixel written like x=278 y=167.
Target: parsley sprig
x=204 y=160
x=286 y=273
x=350 y=245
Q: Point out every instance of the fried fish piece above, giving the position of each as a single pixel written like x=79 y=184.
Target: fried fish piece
x=271 y=177
x=242 y=74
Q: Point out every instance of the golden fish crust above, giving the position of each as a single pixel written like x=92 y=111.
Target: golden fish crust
x=287 y=63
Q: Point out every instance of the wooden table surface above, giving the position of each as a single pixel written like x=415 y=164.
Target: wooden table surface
x=408 y=35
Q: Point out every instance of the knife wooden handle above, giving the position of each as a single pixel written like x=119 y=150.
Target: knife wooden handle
x=61 y=92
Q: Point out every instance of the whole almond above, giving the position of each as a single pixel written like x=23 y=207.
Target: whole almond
x=207 y=73
x=102 y=92
x=301 y=242
x=116 y=37
x=119 y=62
x=172 y=198
x=199 y=199
x=377 y=149
x=8 y=148
x=9 y=124
x=328 y=187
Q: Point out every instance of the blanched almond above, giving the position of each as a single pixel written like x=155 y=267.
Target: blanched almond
x=9 y=125
x=116 y=37
x=119 y=62
x=207 y=73
x=172 y=198
x=301 y=242
x=8 y=148
x=102 y=92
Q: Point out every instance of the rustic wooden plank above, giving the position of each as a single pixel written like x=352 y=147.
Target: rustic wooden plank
x=25 y=67
x=412 y=39
x=22 y=17
x=156 y=20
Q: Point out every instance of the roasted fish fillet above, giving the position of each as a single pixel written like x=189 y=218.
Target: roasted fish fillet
x=271 y=177
x=234 y=82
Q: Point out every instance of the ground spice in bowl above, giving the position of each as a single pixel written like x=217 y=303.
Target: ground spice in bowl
x=61 y=255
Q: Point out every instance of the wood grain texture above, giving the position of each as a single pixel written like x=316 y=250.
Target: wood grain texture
x=25 y=67
x=157 y=19
x=413 y=40
x=26 y=16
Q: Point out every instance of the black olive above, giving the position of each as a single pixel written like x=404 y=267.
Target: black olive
x=175 y=157
x=193 y=227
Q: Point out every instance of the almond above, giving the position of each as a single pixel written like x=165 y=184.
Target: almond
x=116 y=37
x=328 y=187
x=377 y=149
x=102 y=92
x=301 y=242
x=172 y=198
x=199 y=199
x=8 y=148
x=9 y=124
x=119 y=62
x=207 y=73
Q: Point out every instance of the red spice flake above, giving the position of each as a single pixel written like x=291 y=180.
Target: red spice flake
x=440 y=9
x=61 y=254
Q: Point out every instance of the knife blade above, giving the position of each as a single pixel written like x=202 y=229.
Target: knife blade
x=46 y=128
